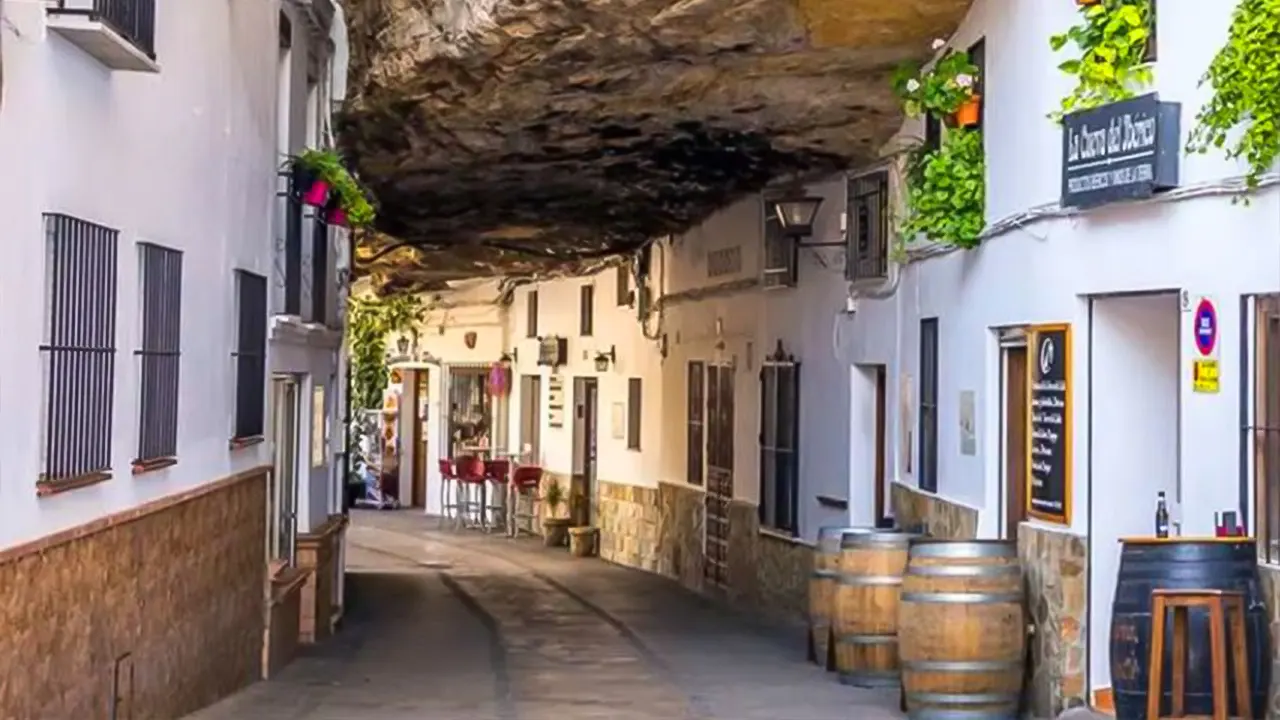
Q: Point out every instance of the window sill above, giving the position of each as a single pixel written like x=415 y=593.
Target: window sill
x=782 y=535
x=142 y=467
x=45 y=487
x=244 y=442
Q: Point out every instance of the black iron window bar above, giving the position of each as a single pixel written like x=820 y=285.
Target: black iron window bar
x=250 y=356
x=133 y=20
x=159 y=356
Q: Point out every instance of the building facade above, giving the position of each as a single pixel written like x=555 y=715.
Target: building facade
x=846 y=377
x=140 y=149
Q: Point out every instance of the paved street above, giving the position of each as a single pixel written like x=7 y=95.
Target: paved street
x=452 y=626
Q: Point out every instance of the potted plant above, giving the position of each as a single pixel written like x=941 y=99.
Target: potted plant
x=947 y=90
x=583 y=541
x=322 y=181
x=555 y=529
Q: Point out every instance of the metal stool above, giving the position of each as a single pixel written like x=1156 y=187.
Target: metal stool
x=526 y=483
x=495 y=476
x=448 y=489
x=1226 y=618
x=470 y=474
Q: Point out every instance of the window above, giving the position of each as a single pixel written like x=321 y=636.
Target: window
x=779 y=443
x=978 y=56
x=780 y=252
x=293 y=250
x=251 y=355
x=160 y=356
x=633 y=414
x=696 y=394
x=928 y=454
x=1150 y=54
x=868 y=251
x=531 y=315
x=79 y=352
x=932 y=133
x=623 y=288
x=586 y=309
x=319 y=271
x=1266 y=428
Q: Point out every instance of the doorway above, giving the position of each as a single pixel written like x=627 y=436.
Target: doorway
x=585 y=397
x=1013 y=362
x=470 y=420
x=416 y=392
x=530 y=419
x=868 y=494
x=283 y=497
x=719 y=423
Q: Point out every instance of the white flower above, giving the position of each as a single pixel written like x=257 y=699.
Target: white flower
x=938 y=44
x=913 y=85
x=964 y=80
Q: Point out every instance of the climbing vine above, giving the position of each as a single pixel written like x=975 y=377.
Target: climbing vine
x=1245 y=77
x=1112 y=38
x=946 y=191
x=370 y=321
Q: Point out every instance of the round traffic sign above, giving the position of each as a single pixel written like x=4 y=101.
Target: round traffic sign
x=1206 y=324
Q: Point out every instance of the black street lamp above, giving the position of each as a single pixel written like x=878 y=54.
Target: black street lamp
x=796 y=213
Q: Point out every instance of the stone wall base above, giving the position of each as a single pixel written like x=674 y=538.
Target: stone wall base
x=913 y=508
x=318 y=554
x=1056 y=568
x=283 y=634
x=162 y=602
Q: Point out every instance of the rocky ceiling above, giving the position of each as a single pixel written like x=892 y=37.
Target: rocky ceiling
x=510 y=136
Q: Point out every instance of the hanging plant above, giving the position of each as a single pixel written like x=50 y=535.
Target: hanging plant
x=946 y=191
x=1245 y=77
x=940 y=90
x=370 y=321
x=324 y=180
x=1112 y=40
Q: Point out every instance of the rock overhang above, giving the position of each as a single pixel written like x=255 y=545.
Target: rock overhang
x=519 y=135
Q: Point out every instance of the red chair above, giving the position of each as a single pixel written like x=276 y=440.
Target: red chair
x=470 y=475
x=448 y=489
x=526 y=483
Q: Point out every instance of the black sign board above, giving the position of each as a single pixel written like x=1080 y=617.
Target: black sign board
x=1049 y=423
x=1122 y=151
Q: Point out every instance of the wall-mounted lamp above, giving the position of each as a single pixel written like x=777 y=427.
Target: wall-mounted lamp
x=603 y=359
x=796 y=212
x=402 y=344
x=509 y=357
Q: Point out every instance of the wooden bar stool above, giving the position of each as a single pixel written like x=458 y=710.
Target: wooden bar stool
x=1226 y=617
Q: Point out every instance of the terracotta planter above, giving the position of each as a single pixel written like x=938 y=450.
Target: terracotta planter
x=1086 y=3
x=967 y=114
x=555 y=532
x=582 y=541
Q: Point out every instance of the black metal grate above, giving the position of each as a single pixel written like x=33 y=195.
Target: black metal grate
x=251 y=355
x=868 y=253
x=160 y=354
x=781 y=253
x=719 y=496
x=779 y=443
x=320 y=271
x=79 y=352
x=134 y=20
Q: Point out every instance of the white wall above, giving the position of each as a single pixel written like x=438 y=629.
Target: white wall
x=184 y=158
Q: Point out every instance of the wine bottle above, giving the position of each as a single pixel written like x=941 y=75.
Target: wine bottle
x=1162 y=517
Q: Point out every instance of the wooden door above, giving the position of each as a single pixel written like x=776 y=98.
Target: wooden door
x=882 y=506
x=1015 y=439
x=719 y=494
x=589 y=441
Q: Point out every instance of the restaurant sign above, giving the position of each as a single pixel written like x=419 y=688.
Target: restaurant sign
x=1123 y=151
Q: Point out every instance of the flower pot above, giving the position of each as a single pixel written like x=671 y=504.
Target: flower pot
x=337 y=216
x=582 y=541
x=555 y=531
x=1086 y=3
x=317 y=195
x=967 y=114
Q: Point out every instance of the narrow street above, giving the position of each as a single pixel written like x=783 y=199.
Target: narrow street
x=453 y=626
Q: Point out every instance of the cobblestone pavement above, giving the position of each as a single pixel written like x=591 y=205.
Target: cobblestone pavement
x=461 y=626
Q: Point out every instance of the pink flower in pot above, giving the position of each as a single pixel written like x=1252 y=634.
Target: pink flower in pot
x=337 y=216
x=317 y=195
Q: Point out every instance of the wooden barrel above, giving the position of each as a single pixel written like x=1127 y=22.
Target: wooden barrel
x=865 y=616
x=826 y=564
x=1148 y=564
x=962 y=630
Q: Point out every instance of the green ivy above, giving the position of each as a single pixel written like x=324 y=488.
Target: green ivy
x=370 y=321
x=1112 y=39
x=1245 y=77
x=941 y=89
x=946 y=191
x=327 y=166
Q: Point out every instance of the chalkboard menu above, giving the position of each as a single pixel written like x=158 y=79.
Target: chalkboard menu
x=1049 y=420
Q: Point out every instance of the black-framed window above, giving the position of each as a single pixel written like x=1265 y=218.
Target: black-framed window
x=250 y=355
x=695 y=394
x=634 y=416
x=160 y=355
x=586 y=310
x=781 y=254
x=79 y=351
x=867 y=256
x=622 y=288
x=779 y=446
x=978 y=56
x=292 y=242
x=927 y=465
x=531 y=315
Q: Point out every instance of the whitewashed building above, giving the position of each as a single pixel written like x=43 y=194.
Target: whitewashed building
x=139 y=151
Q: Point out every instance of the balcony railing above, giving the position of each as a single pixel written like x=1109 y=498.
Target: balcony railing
x=133 y=20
